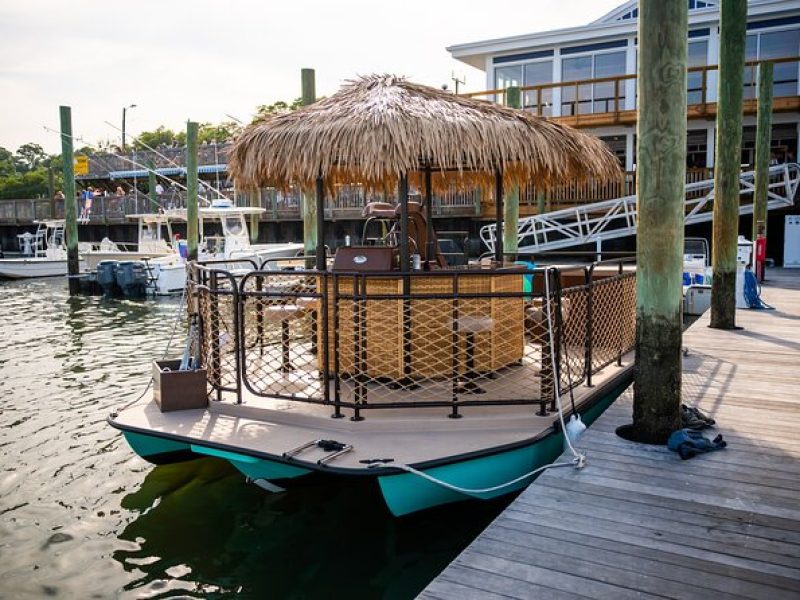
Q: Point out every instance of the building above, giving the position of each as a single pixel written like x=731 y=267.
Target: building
x=586 y=76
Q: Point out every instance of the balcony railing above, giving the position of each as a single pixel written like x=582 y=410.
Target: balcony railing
x=614 y=97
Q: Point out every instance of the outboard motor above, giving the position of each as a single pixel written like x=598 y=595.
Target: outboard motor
x=132 y=278
x=107 y=277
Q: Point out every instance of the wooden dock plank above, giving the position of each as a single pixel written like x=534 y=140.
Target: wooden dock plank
x=638 y=521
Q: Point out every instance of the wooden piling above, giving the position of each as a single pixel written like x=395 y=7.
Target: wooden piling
x=511 y=205
x=309 y=96
x=192 y=218
x=255 y=202
x=763 y=138
x=733 y=24
x=70 y=204
x=663 y=26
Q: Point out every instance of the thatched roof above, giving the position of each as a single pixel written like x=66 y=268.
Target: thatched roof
x=378 y=127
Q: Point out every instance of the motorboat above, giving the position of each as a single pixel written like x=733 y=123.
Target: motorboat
x=49 y=254
x=224 y=239
x=696 y=276
x=154 y=239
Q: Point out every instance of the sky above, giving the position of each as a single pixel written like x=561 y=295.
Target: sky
x=202 y=60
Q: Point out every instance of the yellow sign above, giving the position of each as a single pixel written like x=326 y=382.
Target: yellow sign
x=81 y=165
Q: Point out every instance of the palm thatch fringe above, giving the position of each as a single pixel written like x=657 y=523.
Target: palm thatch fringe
x=380 y=126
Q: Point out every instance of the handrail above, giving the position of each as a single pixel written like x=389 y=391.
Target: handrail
x=705 y=69
x=252 y=314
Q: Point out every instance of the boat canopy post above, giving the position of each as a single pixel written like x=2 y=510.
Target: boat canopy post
x=498 y=215
x=309 y=210
x=70 y=206
x=320 y=224
x=191 y=189
x=402 y=193
x=430 y=246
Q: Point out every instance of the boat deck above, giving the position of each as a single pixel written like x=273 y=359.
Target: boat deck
x=411 y=435
x=639 y=522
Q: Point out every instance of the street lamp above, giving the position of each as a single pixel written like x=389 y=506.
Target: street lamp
x=124 y=110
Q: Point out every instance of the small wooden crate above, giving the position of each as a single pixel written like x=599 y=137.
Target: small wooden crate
x=178 y=390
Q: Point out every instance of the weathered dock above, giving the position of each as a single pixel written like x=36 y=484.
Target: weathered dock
x=638 y=521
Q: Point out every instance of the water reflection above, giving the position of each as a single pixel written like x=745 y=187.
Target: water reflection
x=202 y=529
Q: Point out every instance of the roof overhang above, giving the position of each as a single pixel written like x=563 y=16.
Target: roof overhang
x=476 y=53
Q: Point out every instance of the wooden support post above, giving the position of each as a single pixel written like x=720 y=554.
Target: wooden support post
x=733 y=23
x=430 y=247
x=70 y=204
x=763 y=138
x=511 y=205
x=402 y=198
x=192 y=217
x=541 y=208
x=255 y=202
x=309 y=202
x=151 y=185
x=319 y=221
x=663 y=27
x=498 y=216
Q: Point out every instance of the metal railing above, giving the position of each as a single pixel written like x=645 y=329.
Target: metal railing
x=449 y=339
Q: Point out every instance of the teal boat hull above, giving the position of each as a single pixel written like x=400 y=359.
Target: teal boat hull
x=404 y=493
x=408 y=493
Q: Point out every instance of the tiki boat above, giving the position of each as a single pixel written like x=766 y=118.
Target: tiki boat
x=437 y=382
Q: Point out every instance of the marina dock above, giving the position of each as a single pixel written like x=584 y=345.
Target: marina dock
x=640 y=522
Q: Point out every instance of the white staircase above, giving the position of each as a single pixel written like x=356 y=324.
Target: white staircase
x=609 y=219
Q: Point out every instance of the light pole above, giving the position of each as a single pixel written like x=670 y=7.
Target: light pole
x=125 y=109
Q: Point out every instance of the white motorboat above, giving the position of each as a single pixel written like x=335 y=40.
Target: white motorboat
x=154 y=240
x=50 y=255
x=230 y=250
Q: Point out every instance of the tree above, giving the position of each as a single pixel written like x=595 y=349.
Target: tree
x=6 y=163
x=29 y=156
x=276 y=108
x=160 y=136
x=223 y=132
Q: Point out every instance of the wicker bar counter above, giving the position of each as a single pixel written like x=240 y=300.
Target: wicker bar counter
x=375 y=331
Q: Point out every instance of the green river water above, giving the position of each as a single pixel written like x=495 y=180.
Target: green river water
x=81 y=516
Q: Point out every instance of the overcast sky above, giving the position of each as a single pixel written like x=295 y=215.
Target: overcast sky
x=200 y=59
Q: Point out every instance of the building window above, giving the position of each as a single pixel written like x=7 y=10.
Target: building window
x=587 y=97
x=507 y=77
x=616 y=143
x=698 y=57
x=781 y=44
x=696 y=148
x=539 y=73
x=534 y=73
x=773 y=44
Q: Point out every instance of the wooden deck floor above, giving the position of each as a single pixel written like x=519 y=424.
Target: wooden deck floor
x=638 y=522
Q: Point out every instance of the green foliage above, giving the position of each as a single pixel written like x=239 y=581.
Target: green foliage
x=223 y=132
x=29 y=156
x=24 y=174
x=267 y=110
x=153 y=139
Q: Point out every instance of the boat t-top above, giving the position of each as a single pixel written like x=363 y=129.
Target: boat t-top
x=50 y=254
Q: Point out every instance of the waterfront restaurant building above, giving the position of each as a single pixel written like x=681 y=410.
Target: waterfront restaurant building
x=586 y=76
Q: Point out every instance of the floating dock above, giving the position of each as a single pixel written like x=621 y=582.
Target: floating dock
x=638 y=521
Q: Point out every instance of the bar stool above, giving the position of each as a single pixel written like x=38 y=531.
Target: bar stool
x=285 y=314
x=470 y=325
